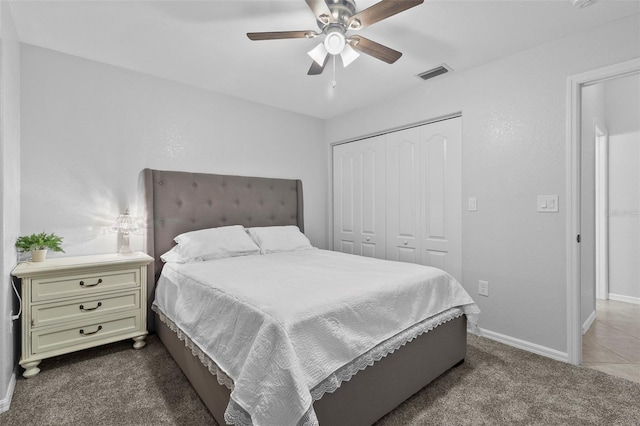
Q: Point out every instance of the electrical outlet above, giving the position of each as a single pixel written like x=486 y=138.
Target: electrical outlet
x=483 y=288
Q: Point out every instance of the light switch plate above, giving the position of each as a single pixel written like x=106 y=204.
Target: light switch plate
x=483 y=288
x=473 y=204
x=548 y=204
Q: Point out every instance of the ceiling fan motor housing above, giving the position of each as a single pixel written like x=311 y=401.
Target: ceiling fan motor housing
x=341 y=10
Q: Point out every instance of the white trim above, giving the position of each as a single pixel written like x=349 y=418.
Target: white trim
x=574 y=340
x=6 y=402
x=523 y=344
x=588 y=322
x=623 y=298
x=398 y=128
x=574 y=87
x=602 y=207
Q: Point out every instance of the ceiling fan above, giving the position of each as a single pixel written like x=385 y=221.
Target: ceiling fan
x=335 y=18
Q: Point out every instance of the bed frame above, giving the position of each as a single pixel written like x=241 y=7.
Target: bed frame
x=178 y=202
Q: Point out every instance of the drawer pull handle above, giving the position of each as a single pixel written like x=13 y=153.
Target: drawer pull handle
x=82 y=308
x=91 y=332
x=82 y=284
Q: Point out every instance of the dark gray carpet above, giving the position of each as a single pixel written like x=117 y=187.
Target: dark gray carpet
x=498 y=384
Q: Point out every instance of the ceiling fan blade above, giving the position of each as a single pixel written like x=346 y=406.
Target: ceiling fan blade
x=321 y=10
x=316 y=69
x=374 y=49
x=277 y=35
x=380 y=11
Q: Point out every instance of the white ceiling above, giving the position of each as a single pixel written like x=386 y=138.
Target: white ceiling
x=203 y=43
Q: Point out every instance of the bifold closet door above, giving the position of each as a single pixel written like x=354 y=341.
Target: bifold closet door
x=359 y=197
x=441 y=196
x=424 y=195
x=399 y=196
x=403 y=170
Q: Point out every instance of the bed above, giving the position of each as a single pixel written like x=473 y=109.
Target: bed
x=179 y=202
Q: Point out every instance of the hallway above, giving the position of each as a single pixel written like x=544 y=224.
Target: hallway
x=612 y=344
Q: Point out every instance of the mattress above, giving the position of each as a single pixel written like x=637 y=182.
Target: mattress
x=282 y=329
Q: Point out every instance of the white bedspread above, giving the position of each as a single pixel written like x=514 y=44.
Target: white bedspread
x=280 y=324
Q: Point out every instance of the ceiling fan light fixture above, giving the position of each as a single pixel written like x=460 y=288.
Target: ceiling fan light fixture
x=318 y=54
x=334 y=42
x=348 y=55
x=336 y=18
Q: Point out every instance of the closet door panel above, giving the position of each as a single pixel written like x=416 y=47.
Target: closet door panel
x=442 y=196
x=359 y=197
x=346 y=247
x=437 y=259
x=372 y=197
x=435 y=187
x=344 y=198
x=403 y=174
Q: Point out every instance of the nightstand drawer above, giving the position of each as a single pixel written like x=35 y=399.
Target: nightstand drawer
x=80 y=334
x=83 y=309
x=69 y=286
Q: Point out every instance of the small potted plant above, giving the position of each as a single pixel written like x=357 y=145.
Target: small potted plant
x=38 y=244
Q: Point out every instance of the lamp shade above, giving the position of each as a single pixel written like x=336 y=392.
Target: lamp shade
x=125 y=223
x=348 y=55
x=318 y=54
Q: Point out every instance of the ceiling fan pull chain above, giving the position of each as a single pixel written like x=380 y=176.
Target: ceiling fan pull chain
x=333 y=83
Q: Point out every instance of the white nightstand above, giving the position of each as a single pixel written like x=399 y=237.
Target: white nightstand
x=74 y=303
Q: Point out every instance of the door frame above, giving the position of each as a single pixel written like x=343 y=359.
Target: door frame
x=573 y=185
x=602 y=209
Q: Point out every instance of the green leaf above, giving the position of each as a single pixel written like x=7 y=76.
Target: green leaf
x=39 y=241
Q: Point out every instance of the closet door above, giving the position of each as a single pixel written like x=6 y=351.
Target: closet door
x=359 y=197
x=398 y=196
x=441 y=196
x=404 y=154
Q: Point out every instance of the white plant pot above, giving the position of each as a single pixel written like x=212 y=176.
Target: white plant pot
x=38 y=255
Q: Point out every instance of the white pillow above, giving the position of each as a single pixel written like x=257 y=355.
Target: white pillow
x=174 y=256
x=273 y=239
x=214 y=243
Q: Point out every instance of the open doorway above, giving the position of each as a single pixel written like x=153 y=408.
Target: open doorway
x=581 y=230
x=610 y=226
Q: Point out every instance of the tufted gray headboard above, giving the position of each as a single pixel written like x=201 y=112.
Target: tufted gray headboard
x=178 y=202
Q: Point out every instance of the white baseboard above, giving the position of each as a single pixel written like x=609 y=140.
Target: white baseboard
x=588 y=322
x=6 y=402
x=623 y=298
x=523 y=344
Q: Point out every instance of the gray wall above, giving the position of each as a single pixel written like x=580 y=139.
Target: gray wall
x=514 y=148
x=90 y=128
